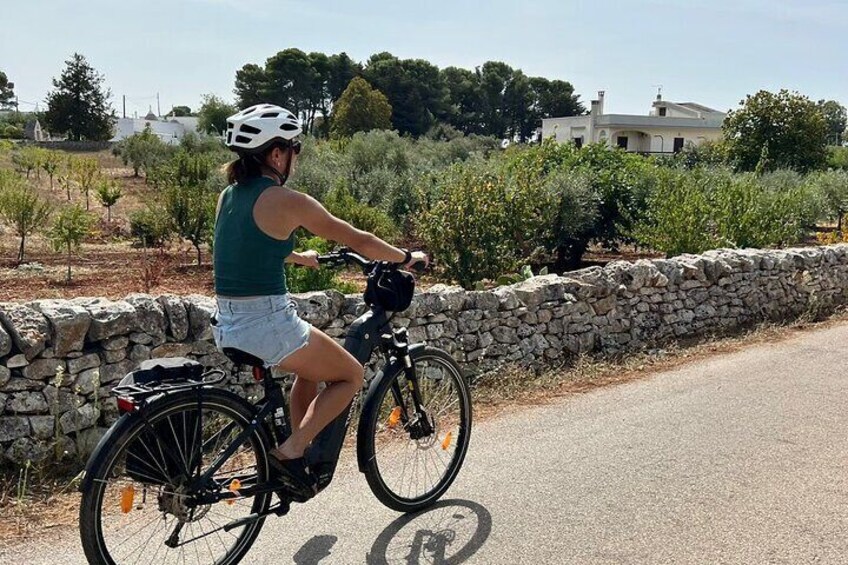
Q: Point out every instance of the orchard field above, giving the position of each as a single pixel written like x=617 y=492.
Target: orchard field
x=487 y=216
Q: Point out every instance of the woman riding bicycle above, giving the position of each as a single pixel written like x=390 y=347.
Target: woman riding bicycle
x=256 y=218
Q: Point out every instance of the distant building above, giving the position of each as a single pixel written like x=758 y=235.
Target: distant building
x=169 y=129
x=33 y=131
x=668 y=128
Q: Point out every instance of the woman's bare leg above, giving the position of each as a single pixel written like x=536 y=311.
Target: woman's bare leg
x=303 y=392
x=322 y=360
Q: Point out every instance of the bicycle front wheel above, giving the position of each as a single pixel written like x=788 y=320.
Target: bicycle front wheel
x=412 y=456
x=140 y=507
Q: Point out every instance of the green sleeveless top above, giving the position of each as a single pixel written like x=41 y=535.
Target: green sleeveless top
x=247 y=261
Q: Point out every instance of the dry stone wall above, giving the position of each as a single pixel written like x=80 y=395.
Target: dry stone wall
x=60 y=358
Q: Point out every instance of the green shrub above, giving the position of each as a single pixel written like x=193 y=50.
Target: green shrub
x=831 y=187
x=468 y=224
x=143 y=151
x=837 y=158
x=678 y=215
x=342 y=204
x=304 y=279
x=150 y=226
x=693 y=211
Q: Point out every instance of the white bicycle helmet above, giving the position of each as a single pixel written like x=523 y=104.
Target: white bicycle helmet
x=253 y=129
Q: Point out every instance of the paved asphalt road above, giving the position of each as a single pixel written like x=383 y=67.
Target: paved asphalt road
x=740 y=458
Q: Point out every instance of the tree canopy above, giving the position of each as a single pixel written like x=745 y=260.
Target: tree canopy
x=79 y=105
x=773 y=131
x=213 y=114
x=7 y=93
x=180 y=111
x=360 y=108
x=836 y=119
x=493 y=99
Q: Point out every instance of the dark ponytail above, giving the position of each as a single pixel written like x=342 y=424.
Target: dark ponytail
x=243 y=169
x=249 y=166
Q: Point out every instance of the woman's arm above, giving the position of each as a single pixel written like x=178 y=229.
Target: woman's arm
x=305 y=258
x=315 y=218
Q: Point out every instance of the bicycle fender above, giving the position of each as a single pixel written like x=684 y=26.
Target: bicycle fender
x=388 y=371
x=94 y=459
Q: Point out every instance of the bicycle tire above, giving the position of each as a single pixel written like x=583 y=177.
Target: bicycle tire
x=367 y=433
x=125 y=432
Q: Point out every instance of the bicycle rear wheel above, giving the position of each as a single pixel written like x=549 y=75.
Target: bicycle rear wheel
x=410 y=458
x=139 y=497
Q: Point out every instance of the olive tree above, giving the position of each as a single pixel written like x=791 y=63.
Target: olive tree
x=108 y=192
x=50 y=162
x=85 y=172
x=22 y=208
x=69 y=229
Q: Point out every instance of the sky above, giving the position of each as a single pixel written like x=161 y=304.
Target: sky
x=712 y=52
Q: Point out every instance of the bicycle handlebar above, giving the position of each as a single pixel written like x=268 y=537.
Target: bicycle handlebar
x=345 y=256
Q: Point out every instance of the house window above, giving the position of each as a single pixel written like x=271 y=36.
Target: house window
x=622 y=141
x=678 y=144
x=662 y=111
x=578 y=142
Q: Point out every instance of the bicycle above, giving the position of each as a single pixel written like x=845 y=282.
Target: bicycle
x=185 y=470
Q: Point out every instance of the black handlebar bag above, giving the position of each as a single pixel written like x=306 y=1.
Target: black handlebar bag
x=158 y=456
x=390 y=289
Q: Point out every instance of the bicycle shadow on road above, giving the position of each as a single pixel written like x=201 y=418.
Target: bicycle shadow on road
x=449 y=532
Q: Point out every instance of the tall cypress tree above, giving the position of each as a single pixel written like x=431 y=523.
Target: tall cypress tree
x=79 y=105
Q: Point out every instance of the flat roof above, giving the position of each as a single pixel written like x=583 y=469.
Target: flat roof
x=630 y=120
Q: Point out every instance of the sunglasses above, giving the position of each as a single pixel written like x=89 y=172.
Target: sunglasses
x=296 y=146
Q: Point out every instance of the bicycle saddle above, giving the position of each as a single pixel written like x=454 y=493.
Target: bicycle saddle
x=240 y=357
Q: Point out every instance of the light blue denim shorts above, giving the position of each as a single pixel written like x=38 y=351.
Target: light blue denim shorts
x=266 y=326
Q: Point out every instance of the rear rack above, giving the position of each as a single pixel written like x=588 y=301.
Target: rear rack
x=143 y=391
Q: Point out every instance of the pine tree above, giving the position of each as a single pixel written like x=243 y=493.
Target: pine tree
x=79 y=105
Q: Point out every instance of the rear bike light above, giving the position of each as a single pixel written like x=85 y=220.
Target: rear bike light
x=257 y=374
x=125 y=405
x=127 y=496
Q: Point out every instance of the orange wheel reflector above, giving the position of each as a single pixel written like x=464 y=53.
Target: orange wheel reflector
x=234 y=487
x=127 y=496
x=447 y=441
x=394 y=417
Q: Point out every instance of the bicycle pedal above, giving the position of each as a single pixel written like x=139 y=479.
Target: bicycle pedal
x=283 y=508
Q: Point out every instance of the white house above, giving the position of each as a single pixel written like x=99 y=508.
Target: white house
x=667 y=129
x=169 y=129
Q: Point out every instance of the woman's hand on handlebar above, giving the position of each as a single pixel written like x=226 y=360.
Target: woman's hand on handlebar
x=307 y=258
x=419 y=261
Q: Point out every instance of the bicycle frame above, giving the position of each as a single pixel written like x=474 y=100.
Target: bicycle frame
x=367 y=333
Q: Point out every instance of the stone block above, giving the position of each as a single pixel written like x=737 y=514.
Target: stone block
x=108 y=318
x=79 y=419
x=26 y=402
x=28 y=328
x=150 y=316
x=79 y=364
x=69 y=323
x=176 y=314
x=200 y=309
x=13 y=427
x=43 y=369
